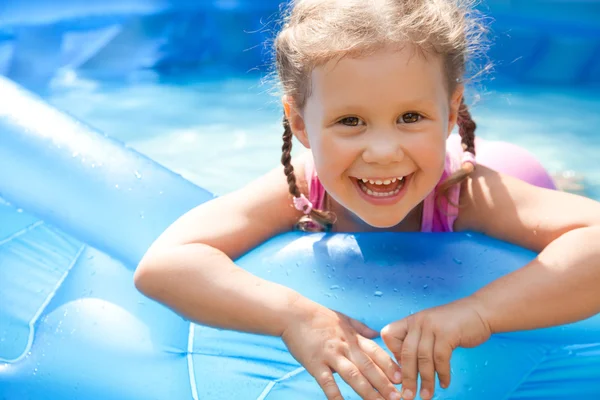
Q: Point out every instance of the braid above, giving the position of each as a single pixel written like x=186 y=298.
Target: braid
x=466 y=130
x=286 y=158
x=316 y=220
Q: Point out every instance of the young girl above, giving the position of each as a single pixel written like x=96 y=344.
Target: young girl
x=374 y=89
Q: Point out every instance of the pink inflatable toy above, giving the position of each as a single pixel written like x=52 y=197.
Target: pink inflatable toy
x=509 y=159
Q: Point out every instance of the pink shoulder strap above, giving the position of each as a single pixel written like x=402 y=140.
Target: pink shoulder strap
x=440 y=212
x=316 y=191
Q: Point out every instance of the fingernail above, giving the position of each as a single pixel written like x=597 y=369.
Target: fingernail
x=425 y=394
x=395 y=396
x=398 y=376
x=407 y=394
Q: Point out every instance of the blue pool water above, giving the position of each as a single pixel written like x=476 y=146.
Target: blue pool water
x=223 y=132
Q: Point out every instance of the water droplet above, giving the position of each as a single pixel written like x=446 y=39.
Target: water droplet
x=457 y=261
x=328 y=276
x=396 y=290
x=19 y=210
x=314 y=271
x=425 y=286
x=334 y=287
x=469 y=235
x=137 y=174
x=161 y=193
x=298 y=264
x=90 y=257
x=369 y=304
x=485 y=364
x=142 y=215
x=378 y=293
x=117 y=186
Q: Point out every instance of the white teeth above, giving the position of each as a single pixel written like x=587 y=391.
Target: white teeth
x=385 y=182
x=382 y=182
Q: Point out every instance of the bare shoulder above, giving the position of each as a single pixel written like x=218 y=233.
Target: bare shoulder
x=243 y=219
x=512 y=210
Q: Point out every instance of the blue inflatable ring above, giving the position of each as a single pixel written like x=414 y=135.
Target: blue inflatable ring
x=79 y=211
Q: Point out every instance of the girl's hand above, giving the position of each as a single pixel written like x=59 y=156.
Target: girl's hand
x=423 y=343
x=327 y=342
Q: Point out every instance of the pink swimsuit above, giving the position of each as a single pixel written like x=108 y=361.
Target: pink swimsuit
x=438 y=215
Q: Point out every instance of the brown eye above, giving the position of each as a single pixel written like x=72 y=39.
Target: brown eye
x=350 y=121
x=411 y=118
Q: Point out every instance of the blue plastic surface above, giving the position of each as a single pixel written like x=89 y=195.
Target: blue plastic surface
x=79 y=211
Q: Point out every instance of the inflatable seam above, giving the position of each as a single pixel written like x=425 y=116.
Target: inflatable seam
x=272 y=384
x=190 y=362
x=45 y=303
x=540 y=361
x=21 y=232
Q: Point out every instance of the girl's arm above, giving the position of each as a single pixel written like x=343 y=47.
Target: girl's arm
x=561 y=284
x=190 y=269
x=190 y=266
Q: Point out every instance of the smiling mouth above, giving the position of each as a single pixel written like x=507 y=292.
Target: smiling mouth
x=381 y=188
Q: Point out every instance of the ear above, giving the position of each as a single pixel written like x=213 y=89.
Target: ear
x=295 y=120
x=455 y=102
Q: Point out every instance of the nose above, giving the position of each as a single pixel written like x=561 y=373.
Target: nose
x=383 y=148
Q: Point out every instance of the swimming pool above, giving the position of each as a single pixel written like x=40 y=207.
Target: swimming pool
x=221 y=133
x=182 y=82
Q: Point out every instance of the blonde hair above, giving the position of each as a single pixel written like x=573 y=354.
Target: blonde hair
x=315 y=32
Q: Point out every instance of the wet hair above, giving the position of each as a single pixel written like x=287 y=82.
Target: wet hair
x=315 y=32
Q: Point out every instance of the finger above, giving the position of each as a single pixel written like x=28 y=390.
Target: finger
x=352 y=375
x=426 y=364
x=324 y=378
x=381 y=358
x=393 y=336
x=408 y=362
x=442 y=352
x=363 y=329
x=374 y=374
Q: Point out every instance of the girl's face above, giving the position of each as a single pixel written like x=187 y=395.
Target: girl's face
x=377 y=127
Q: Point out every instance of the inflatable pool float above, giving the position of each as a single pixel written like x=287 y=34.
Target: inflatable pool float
x=80 y=209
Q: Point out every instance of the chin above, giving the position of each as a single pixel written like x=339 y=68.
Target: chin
x=384 y=221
